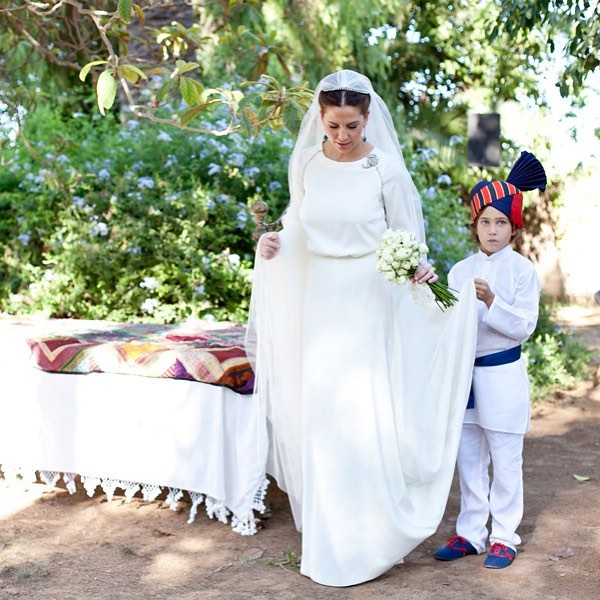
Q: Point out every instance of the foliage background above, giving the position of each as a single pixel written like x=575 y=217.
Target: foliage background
x=129 y=218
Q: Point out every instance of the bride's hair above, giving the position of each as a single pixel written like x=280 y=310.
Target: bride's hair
x=339 y=98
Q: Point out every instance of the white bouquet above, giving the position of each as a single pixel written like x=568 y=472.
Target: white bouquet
x=398 y=256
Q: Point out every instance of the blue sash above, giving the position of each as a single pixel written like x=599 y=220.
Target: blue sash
x=493 y=360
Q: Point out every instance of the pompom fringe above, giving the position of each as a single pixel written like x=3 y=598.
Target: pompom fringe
x=244 y=524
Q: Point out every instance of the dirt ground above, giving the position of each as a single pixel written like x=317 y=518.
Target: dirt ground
x=59 y=546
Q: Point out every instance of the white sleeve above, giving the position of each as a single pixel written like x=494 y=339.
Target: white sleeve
x=401 y=199
x=516 y=320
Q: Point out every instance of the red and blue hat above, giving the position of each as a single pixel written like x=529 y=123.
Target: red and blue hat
x=507 y=196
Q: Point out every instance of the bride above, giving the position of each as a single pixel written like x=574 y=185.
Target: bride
x=363 y=383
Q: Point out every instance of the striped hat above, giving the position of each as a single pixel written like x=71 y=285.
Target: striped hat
x=506 y=196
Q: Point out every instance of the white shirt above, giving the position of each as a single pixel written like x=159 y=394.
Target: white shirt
x=512 y=316
x=501 y=392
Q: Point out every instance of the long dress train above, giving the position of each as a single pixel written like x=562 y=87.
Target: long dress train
x=364 y=384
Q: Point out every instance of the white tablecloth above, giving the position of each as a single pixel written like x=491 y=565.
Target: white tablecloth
x=163 y=432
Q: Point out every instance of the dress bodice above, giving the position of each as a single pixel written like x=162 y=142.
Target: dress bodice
x=342 y=211
x=347 y=206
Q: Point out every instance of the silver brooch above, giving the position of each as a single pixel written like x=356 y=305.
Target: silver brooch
x=370 y=161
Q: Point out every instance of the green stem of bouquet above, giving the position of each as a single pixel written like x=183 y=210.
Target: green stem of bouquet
x=444 y=296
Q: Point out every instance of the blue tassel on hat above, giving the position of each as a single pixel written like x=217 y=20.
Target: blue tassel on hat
x=527 y=173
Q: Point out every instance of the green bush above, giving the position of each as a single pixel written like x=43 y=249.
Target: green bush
x=555 y=360
x=133 y=222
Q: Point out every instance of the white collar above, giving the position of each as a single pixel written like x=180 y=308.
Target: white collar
x=496 y=255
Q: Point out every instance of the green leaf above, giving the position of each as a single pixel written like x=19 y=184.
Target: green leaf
x=124 y=8
x=132 y=73
x=187 y=116
x=191 y=90
x=106 y=90
x=209 y=92
x=86 y=68
x=186 y=67
x=263 y=112
x=237 y=96
x=292 y=116
x=283 y=64
x=252 y=103
x=581 y=477
x=248 y=121
x=140 y=14
x=158 y=71
x=160 y=95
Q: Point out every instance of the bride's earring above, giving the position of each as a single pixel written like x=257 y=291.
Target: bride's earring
x=364 y=136
x=325 y=138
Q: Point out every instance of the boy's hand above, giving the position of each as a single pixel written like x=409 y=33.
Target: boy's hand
x=483 y=291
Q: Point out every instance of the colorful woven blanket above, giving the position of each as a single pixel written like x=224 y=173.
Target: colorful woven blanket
x=211 y=353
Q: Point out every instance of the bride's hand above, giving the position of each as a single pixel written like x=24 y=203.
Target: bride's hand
x=269 y=245
x=425 y=273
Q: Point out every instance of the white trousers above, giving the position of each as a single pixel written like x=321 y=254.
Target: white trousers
x=503 y=499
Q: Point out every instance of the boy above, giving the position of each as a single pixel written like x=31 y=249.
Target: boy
x=497 y=414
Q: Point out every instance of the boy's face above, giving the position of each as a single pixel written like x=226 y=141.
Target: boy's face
x=494 y=230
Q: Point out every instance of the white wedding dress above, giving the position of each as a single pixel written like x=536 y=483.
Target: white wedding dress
x=364 y=383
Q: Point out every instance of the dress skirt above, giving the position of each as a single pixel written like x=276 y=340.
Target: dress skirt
x=381 y=415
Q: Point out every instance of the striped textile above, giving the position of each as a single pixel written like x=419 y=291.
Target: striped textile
x=210 y=353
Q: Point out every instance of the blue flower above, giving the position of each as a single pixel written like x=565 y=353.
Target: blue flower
x=24 y=238
x=103 y=175
x=145 y=182
x=242 y=218
x=41 y=176
x=444 y=179
x=99 y=229
x=429 y=193
x=428 y=153
x=163 y=136
x=213 y=168
x=237 y=159
x=251 y=171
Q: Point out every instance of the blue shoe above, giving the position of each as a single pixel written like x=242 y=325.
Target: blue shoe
x=499 y=556
x=456 y=547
